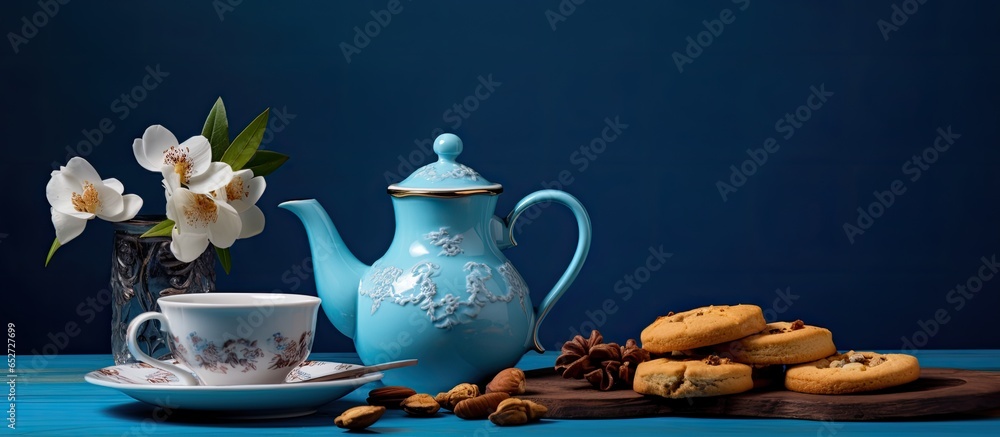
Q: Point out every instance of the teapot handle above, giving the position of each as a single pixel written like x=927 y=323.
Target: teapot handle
x=582 y=247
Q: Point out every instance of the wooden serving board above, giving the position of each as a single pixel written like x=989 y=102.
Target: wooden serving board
x=937 y=392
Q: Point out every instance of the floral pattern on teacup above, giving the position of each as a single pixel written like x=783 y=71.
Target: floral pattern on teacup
x=237 y=353
x=243 y=354
x=289 y=352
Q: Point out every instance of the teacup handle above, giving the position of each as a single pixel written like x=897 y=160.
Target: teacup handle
x=582 y=247
x=184 y=376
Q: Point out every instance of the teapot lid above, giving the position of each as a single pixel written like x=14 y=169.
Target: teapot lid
x=446 y=177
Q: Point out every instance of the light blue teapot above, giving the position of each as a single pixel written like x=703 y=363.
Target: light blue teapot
x=443 y=293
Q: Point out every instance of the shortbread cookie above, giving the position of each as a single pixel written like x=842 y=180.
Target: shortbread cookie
x=702 y=327
x=672 y=378
x=852 y=372
x=763 y=375
x=781 y=343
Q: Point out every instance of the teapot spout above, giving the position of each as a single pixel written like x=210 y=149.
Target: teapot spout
x=336 y=269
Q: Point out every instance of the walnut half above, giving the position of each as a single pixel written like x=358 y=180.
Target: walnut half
x=457 y=394
x=855 y=361
x=715 y=360
x=514 y=411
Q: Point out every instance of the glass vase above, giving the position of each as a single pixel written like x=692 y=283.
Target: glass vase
x=143 y=270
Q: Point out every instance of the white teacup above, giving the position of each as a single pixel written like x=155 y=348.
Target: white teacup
x=232 y=338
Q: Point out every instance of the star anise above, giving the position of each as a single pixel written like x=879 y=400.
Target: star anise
x=574 y=361
x=632 y=355
x=605 y=366
x=605 y=352
x=604 y=377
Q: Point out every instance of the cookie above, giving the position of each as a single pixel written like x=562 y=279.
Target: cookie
x=673 y=378
x=702 y=327
x=781 y=343
x=852 y=372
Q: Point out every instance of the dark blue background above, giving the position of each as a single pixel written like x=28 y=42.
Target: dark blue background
x=654 y=186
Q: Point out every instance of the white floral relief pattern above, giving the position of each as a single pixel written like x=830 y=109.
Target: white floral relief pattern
x=450 y=245
x=515 y=283
x=381 y=285
x=460 y=171
x=450 y=310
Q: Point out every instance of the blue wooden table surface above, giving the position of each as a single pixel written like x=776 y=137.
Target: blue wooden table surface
x=55 y=400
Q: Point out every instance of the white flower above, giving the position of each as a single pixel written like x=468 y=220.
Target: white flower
x=199 y=218
x=77 y=193
x=242 y=193
x=192 y=160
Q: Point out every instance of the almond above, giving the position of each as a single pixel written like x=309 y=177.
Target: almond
x=359 y=417
x=510 y=381
x=420 y=405
x=389 y=396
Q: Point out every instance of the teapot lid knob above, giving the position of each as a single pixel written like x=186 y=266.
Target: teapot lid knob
x=445 y=178
x=448 y=147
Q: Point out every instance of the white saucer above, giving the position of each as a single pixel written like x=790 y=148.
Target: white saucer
x=265 y=401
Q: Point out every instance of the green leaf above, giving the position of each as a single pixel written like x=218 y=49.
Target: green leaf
x=217 y=129
x=224 y=258
x=162 y=229
x=246 y=143
x=52 y=250
x=266 y=162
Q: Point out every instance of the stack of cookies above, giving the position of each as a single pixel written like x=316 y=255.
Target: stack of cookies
x=720 y=350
